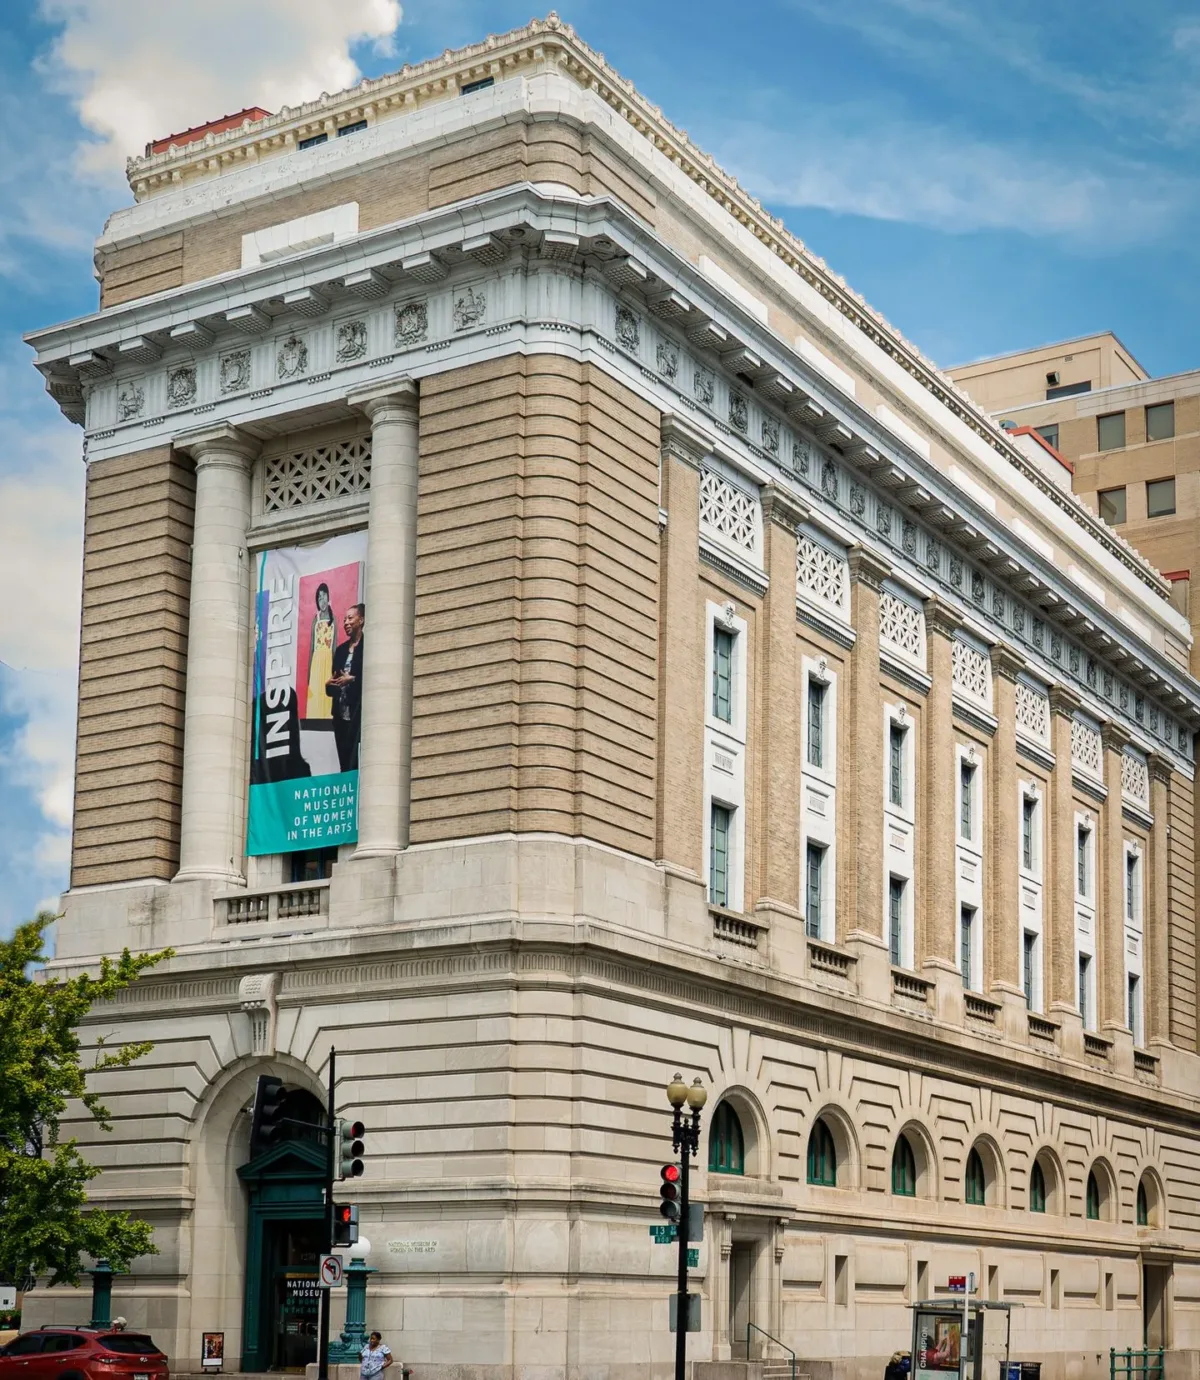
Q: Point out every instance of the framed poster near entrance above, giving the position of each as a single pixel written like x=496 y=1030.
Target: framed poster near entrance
x=212 y=1351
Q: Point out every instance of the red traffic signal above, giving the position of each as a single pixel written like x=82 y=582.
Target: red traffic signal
x=345 y=1224
x=668 y=1192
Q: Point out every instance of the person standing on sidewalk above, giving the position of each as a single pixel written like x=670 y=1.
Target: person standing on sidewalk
x=376 y=1356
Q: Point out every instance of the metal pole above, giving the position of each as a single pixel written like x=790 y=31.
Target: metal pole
x=681 y=1317
x=326 y=1294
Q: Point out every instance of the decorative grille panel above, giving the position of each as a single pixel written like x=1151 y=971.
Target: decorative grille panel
x=902 y=627
x=1135 y=779
x=972 y=673
x=1085 y=748
x=1033 y=713
x=821 y=574
x=730 y=513
x=308 y=476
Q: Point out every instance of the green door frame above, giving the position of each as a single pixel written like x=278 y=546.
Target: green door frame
x=286 y=1184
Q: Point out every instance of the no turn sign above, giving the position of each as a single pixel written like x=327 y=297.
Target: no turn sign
x=330 y=1273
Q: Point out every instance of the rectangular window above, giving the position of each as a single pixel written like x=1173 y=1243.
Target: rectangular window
x=1029 y=956
x=1112 y=506
x=966 y=921
x=311 y=865
x=1048 y=431
x=1160 y=498
x=1085 y=969
x=814 y=867
x=722 y=686
x=1160 y=421
x=313 y=141
x=718 y=854
x=816 y=723
x=1083 y=839
x=1110 y=431
x=1028 y=821
x=966 y=802
x=352 y=129
x=896 y=736
x=1135 y=1009
x=895 y=920
x=1068 y=390
x=481 y=85
x=1131 y=885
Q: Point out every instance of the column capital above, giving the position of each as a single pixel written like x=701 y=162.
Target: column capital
x=1113 y=736
x=394 y=401
x=1160 y=768
x=782 y=508
x=866 y=566
x=1006 y=663
x=941 y=618
x=1064 y=702
x=220 y=444
x=683 y=440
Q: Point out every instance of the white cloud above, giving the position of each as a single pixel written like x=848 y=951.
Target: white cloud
x=863 y=160
x=138 y=70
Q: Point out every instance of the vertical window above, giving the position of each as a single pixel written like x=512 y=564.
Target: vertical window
x=312 y=864
x=1110 y=432
x=1083 y=839
x=1049 y=433
x=904 y=1169
x=1135 y=1008
x=975 y=1181
x=1143 y=1206
x=816 y=723
x=1093 y=1197
x=726 y=1144
x=1029 y=969
x=1028 y=821
x=814 y=866
x=722 y=687
x=895 y=919
x=1112 y=506
x=896 y=736
x=966 y=801
x=1085 y=972
x=1160 y=421
x=1037 y=1189
x=822 y=1156
x=1160 y=498
x=966 y=922
x=718 y=849
x=1131 y=885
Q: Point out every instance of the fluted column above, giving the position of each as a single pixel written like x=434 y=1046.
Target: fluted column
x=861 y=855
x=216 y=708
x=1156 y=953
x=1003 y=909
x=1061 y=919
x=385 y=751
x=936 y=944
x=1110 y=979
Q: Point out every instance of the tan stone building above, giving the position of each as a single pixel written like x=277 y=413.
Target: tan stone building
x=734 y=697
x=1132 y=441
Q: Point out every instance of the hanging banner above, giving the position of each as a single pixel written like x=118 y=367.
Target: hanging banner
x=308 y=656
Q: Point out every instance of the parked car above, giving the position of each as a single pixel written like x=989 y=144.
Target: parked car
x=82 y=1353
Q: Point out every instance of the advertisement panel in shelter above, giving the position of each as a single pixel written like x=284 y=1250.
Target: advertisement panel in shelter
x=937 y=1345
x=309 y=621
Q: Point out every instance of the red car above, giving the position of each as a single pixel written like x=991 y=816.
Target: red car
x=80 y=1353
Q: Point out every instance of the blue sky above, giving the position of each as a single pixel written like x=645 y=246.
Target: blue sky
x=989 y=177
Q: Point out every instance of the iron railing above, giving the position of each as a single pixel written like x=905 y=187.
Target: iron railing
x=754 y=1327
x=1129 y=1364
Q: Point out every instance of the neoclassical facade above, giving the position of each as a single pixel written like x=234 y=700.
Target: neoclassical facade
x=541 y=631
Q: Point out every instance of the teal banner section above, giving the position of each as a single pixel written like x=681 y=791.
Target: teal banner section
x=305 y=812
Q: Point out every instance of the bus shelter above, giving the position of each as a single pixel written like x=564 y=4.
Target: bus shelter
x=942 y=1347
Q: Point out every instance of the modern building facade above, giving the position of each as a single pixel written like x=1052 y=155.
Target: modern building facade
x=1132 y=441
x=542 y=631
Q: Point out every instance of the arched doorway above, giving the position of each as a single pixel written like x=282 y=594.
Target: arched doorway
x=284 y=1237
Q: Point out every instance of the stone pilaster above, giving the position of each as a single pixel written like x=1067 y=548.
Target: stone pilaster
x=1002 y=908
x=1059 y=921
x=1156 y=980
x=778 y=758
x=385 y=752
x=217 y=705
x=860 y=866
x=1110 y=927
x=936 y=930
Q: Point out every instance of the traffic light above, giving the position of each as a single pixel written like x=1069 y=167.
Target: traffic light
x=268 y=1112
x=351 y=1149
x=669 y=1192
x=345 y=1224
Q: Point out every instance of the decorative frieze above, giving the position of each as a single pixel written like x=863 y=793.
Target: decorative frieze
x=1086 y=749
x=291 y=360
x=235 y=371
x=822 y=575
x=412 y=322
x=1033 y=713
x=470 y=309
x=295 y=478
x=350 y=341
x=181 y=386
x=902 y=628
x=972 y=673
x=729 y=512
x=1135 y=779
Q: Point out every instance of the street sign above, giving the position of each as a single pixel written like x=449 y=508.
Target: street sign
x=694 y=1259
x=957 y=1284
x=665 y=1233
x=329 y=1273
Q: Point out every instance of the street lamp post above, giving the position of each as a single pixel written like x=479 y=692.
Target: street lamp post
x=685 y=1134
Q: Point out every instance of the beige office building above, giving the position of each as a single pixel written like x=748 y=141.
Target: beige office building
x=735 y=697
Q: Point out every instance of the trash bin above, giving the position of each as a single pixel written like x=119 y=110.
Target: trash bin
x=1031 y=1370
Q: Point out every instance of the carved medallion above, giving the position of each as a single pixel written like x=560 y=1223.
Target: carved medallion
x=829 y=479
x=739 y=412
x=470 y=308
x=770 y=436
x=703 y=385
x=858 y=500
x=292 y=359
x=801 y=457
x=668 y=360
x=412 y=323
x=956 y=571
x=628 y=329
x=131 y=398
x=909 y=538
x=181 y=386
x=235 y=371
x=883 y=521
x=351 y=341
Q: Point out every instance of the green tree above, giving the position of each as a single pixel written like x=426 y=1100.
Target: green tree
x=45 y=1223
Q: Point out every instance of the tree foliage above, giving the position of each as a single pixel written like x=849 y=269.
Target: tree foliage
x=45 y=1223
